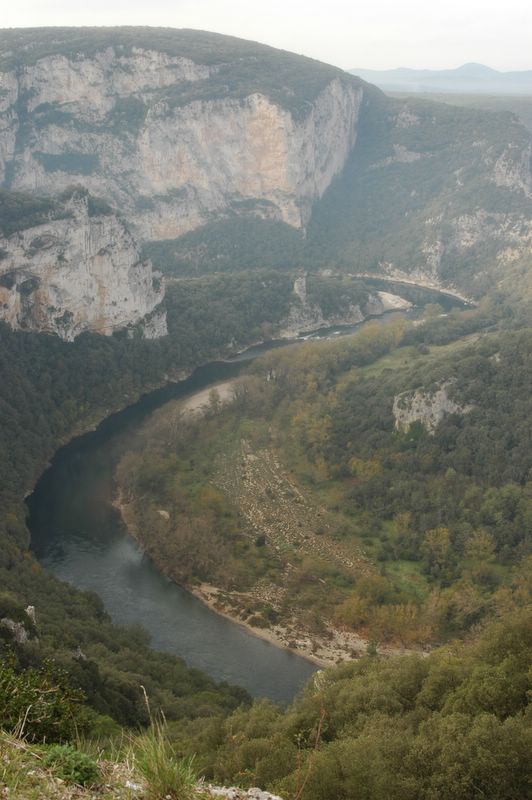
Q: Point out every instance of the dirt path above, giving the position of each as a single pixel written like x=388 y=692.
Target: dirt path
x=289 y=519
x=274 y=506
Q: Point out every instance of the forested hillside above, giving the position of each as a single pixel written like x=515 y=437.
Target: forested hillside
x=390 y=481
x=51 y=390
x=353 y=499
x=239 y=67
x=452 y=726
x=370 y=728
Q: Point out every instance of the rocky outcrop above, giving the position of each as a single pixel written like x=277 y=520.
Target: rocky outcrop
x=166 y=141
x=78 y=273
x=232 y=793
x=476 y=169
x=112 y=123
x=306 y=316
x=428 y=408
x=513 y=170
x=17 y=630
x=507 y=235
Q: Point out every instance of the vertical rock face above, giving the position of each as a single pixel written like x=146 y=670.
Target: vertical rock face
x=132 y=129
x=78 y=273
x=173 y=129
x=428 y=408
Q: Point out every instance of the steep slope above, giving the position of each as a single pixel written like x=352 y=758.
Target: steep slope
x=384 y=488
x=223 y=154
x=73 y=266
x=173 y=127
x=520 y=105
x=439 y=194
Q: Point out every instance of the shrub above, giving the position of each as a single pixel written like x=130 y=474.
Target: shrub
x=166 y=775
x=38 y=704
x=72 y=765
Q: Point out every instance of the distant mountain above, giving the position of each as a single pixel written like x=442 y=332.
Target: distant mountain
x=469 y=78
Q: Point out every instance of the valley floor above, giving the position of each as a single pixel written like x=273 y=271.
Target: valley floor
x=277 y=509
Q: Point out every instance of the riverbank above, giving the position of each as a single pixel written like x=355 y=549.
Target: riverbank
x=211 y=596
x=421 y=282
x=323 y=650
x=318 y=650
x=78 y=537
x=324 y=645
x=200 y=402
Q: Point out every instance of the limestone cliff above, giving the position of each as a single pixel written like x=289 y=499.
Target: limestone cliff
x=173 y=129
x=307 y=313
x=438 y=195
x=428 y=408
x=78 y=272
x=166 y=140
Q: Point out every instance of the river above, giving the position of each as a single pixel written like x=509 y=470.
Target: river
x=79 y=536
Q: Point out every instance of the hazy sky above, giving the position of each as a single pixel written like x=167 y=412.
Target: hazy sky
x=377 y=34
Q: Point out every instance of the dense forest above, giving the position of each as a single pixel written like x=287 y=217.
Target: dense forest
x=369 y=728
x=452 y=726
x=435 y=572
x=51 y=390
x=408 y=535
x=364 y=500
x=444 y=516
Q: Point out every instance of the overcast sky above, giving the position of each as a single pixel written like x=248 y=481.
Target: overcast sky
x=378 y=34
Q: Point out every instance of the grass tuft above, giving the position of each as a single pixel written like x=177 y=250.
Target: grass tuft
x=167 y=776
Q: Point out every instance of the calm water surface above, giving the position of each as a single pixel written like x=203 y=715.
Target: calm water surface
x=79 y=537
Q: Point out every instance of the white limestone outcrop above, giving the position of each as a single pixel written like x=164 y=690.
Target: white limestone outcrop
x=106 y=122
x=233 y=793
x=305 y=316
x=78 y=273
x=428 y=408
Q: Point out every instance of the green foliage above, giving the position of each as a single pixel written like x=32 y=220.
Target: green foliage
x=39 y=704
x=51 y=114
x=300 y=371
x=242 y=67
x=171 y=464
x=182 y=465
x=97 y=207
x=447 y=516
x=50 y=390
x=71 y=765
x=454 y=505
x=455 y=724
x=382 y=210
x=336 y=295
x=229 y=246
x=419 y=174
x=518 y=105
x=213 y=313
x=166 y=775
x=19 y=211
x=128 y=115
